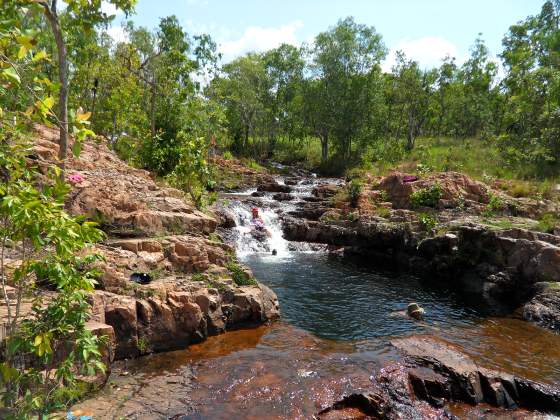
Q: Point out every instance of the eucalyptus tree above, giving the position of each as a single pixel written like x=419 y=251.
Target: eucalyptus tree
x=346 y=62
x=532 y=84
x=78 y=15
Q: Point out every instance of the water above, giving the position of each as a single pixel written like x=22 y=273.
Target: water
x=337 y=321
x=339 y=301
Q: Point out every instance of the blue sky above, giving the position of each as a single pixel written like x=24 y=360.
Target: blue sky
x=426 y=30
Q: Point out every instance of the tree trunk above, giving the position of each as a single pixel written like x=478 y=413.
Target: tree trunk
x=410 y=133
x=153 y=109
x=52 y=16
x=324 y=148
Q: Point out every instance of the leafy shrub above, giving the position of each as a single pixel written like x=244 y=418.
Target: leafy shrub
x=191 y=173
x=548 y=222
x=239 y=276
x=354 y=190
x=426 y=197
x=47 y=348
x=227 y=155
x=428 y=221
x=496 y=203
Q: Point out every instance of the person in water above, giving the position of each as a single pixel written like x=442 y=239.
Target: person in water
x=257 y=223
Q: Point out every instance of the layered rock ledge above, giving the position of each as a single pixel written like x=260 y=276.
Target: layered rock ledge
x=167 y=280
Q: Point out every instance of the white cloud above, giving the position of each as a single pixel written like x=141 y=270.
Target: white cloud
x=118 y=34
x=427 y=51
x=110 y=9
x=258 y=39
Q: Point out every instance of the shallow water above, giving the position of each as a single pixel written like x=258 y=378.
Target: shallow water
x=340 y=301
x=337 y=323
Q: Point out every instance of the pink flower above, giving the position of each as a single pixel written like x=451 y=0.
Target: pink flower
x=75 y=178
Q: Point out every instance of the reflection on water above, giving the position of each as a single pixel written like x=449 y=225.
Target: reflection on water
x=337 y=323
x=339 y=301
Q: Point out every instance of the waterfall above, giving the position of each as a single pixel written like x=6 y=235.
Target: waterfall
x=242 y=236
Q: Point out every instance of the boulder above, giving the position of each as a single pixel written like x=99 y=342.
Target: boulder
x=447 y=374
x=283 y=197
x=274 y=187
x=454 y=186
x=325 y=191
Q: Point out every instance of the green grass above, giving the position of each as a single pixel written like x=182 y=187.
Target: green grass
x=239 y=276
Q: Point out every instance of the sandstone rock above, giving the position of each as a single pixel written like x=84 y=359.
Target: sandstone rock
x=283 y=197
x=274 y=187
x=325 y=191
x=447 y=374
x=544 y=308
x=455 y=186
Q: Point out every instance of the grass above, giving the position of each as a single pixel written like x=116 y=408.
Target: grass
x=239 y=276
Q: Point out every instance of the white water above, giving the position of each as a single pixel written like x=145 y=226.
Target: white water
x=239 y=205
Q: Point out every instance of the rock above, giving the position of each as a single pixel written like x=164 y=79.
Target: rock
x=447 y=374
x=258 y=194
x=454 y=186
x=274 y=187
x=544 y=308
x=226 y=220
x=325 y=191
x=292 y=181
x=283 y=197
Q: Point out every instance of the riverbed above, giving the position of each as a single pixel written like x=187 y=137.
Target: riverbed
x=337 y=322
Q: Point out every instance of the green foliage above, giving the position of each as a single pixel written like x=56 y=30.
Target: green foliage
x=495 y=203
x=354 y=188
x=426 y=197
x=191 y=173
x=429 y=221
x=548 y=222
x=239 y=276
x=52 y=338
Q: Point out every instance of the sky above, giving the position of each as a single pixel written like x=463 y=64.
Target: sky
x=426 y=30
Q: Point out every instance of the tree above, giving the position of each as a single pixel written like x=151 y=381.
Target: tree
x=45 y=349
x=346 y=62
x=84 y=15
x=532 y=85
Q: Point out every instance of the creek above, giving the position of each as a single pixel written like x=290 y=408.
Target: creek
x=337 y=320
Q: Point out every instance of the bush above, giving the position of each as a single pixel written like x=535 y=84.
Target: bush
x=227 y=155
x=428 y=221
x=354 y=190
x=47 y=348
x=239 y=276
x=426 y=197
x=548 y=222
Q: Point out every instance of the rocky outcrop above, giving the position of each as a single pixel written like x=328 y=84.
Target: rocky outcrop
x=434 y=374
x=544 y=308
x=454 y=186
x=440 y=373
x=501 y=266
x=274 y=187
x=157 y=236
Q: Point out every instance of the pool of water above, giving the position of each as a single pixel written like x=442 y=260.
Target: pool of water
x=340 y=301
x=335 y=332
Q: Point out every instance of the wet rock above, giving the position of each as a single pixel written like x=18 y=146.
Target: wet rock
x=274 y=187
x=447 y=374
x=544 y=308
x=325 y=191
x=283 y=197
x=258 y=194
x=292 y=181
x=226 y=220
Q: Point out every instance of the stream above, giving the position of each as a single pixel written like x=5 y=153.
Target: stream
x=337 y=320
